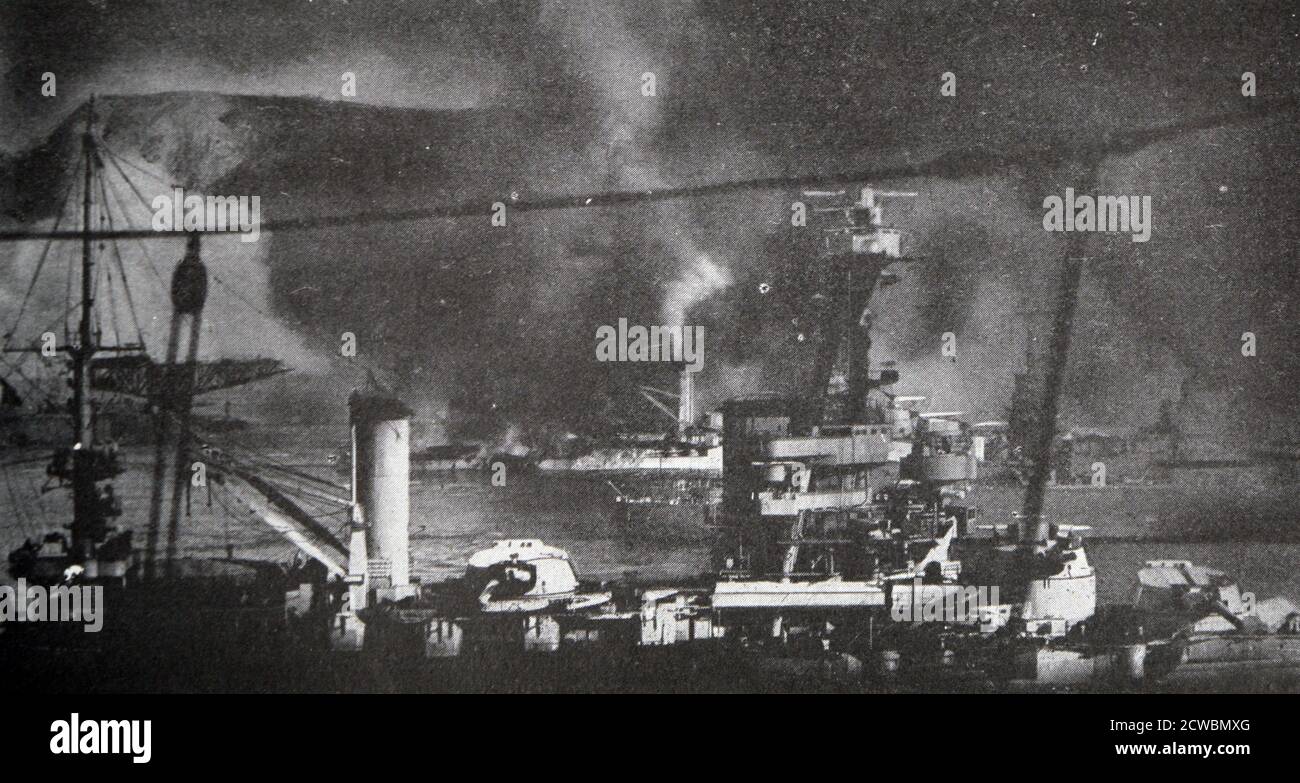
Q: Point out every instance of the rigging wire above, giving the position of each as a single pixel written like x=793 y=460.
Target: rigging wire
x=237 y=510
x=303 y=479
x=40 y=263
x=17 y=368
x=131 y=184
x=103 y=287
x=130 y=300
x=297 y=489
x=144 y=249
x=114 y=158
x=294 y=482
x=253 y=455
x=306 y=481
x=20 y=512
x=40 y=502
x=308 y=506
x=56 y=319
x=121 y=268
x=123 y=159
x=33 y=386
x=112 y=304
x=106 y=271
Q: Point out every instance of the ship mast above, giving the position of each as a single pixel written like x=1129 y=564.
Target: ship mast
x=85 y=496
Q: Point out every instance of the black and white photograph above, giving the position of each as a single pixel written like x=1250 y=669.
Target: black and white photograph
x=874 y=348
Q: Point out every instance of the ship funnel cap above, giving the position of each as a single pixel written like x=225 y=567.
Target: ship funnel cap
x=372 y=402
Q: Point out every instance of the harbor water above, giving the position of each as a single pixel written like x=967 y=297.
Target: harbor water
x=1243 y=524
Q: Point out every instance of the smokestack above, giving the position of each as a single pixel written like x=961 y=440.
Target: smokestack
x=1043 y=435
x=685 y=401
x=381 y=431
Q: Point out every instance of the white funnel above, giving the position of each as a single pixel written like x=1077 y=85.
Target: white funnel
x=381 y=429
x=685 y=401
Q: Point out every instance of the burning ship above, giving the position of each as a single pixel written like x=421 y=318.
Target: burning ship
x=656 y=477
x=686 y=449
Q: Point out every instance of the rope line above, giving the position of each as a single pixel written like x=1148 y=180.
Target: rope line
x=40 y=264
x=122 y=158
x=117 y=253
x=148 y=257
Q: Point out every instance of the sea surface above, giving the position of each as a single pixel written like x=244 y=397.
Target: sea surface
x=1242 y=522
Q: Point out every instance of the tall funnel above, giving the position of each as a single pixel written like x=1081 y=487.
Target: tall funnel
x=685 y=401
x=381 y=429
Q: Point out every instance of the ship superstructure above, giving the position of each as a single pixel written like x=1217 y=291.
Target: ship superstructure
x=833 y=497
